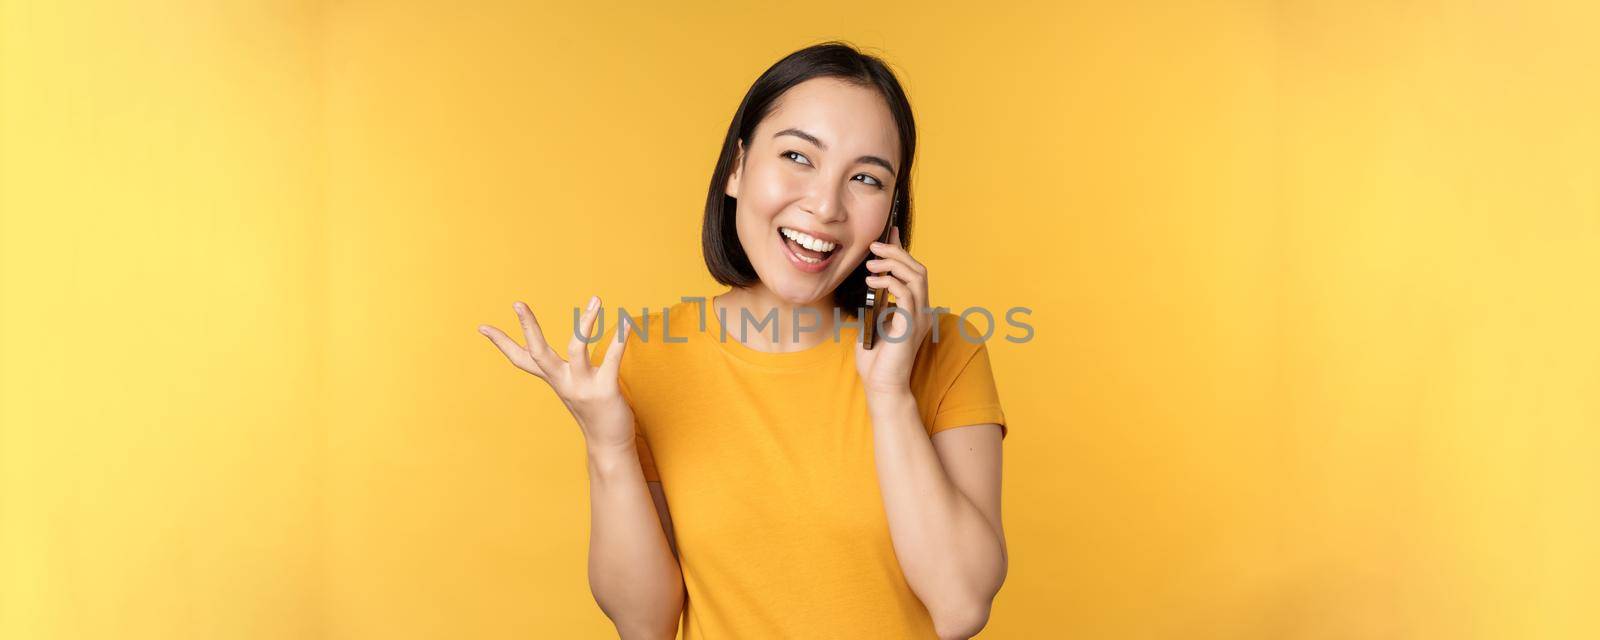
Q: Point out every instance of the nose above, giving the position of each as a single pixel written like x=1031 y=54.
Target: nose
x=825 y=202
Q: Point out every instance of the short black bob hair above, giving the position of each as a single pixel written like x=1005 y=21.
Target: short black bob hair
x=719 y=237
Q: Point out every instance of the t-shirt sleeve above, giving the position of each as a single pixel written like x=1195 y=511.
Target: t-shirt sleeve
x=972 y=397
x=647 y=462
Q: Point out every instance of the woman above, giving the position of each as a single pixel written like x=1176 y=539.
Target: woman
x=817 y=489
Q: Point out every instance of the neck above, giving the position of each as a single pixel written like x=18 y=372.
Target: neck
x=756 y=306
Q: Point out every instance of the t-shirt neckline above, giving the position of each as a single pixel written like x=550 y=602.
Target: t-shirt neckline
x=828 y=348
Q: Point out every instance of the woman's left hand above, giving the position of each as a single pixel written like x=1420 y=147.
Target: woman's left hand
x=886 y=368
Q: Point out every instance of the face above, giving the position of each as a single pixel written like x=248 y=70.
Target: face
x=814 y=186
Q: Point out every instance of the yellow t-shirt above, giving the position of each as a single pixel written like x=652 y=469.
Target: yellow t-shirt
x=766 y=461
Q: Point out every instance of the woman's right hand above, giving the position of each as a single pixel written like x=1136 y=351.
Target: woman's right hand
x=590 y=393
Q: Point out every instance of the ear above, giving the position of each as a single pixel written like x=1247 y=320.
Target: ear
x=732 y=188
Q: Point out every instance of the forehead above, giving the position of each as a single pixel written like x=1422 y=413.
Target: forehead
x=845 y=116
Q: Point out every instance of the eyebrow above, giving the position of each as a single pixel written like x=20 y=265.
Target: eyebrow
x=868 y=159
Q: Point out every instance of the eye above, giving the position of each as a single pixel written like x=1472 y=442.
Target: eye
x=796 y=154
x=870 y=180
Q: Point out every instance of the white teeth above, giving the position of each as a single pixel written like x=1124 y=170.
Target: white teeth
x=814 y=244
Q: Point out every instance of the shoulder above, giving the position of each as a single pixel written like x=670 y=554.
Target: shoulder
x=953 y=328
x=948 y=348
x=957 y=386
x=952 y=342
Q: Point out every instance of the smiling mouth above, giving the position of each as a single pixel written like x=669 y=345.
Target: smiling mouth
x=806 y=259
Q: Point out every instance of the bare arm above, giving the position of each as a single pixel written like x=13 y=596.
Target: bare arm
x=633 y=571
x=942 y=498
x=633 y=568
x=941 y=494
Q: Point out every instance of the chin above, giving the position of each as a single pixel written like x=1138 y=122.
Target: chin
x=799 y=293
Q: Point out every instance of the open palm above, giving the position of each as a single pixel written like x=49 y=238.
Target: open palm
x=591 y=393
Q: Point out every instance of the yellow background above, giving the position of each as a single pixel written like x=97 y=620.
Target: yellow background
x=1314 y=286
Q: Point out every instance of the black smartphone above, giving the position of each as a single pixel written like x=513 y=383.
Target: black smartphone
x=876 y=296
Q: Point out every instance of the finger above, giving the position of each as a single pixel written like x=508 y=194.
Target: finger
x=577 y=348
x=894 y=239
x=916 y=279
x=513 y=351
x=902 y=299
x=613 y=359
x=898 y=253
x=538 y=349
x=900 y=269
x=894 y=251
x=912 y=281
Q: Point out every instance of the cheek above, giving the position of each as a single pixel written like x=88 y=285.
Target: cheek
x=870 y=228
x=772 y=189
x=865 y=231
x=757 y=207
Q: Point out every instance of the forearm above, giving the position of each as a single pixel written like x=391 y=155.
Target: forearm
x=951 y=555
x=634 y=577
